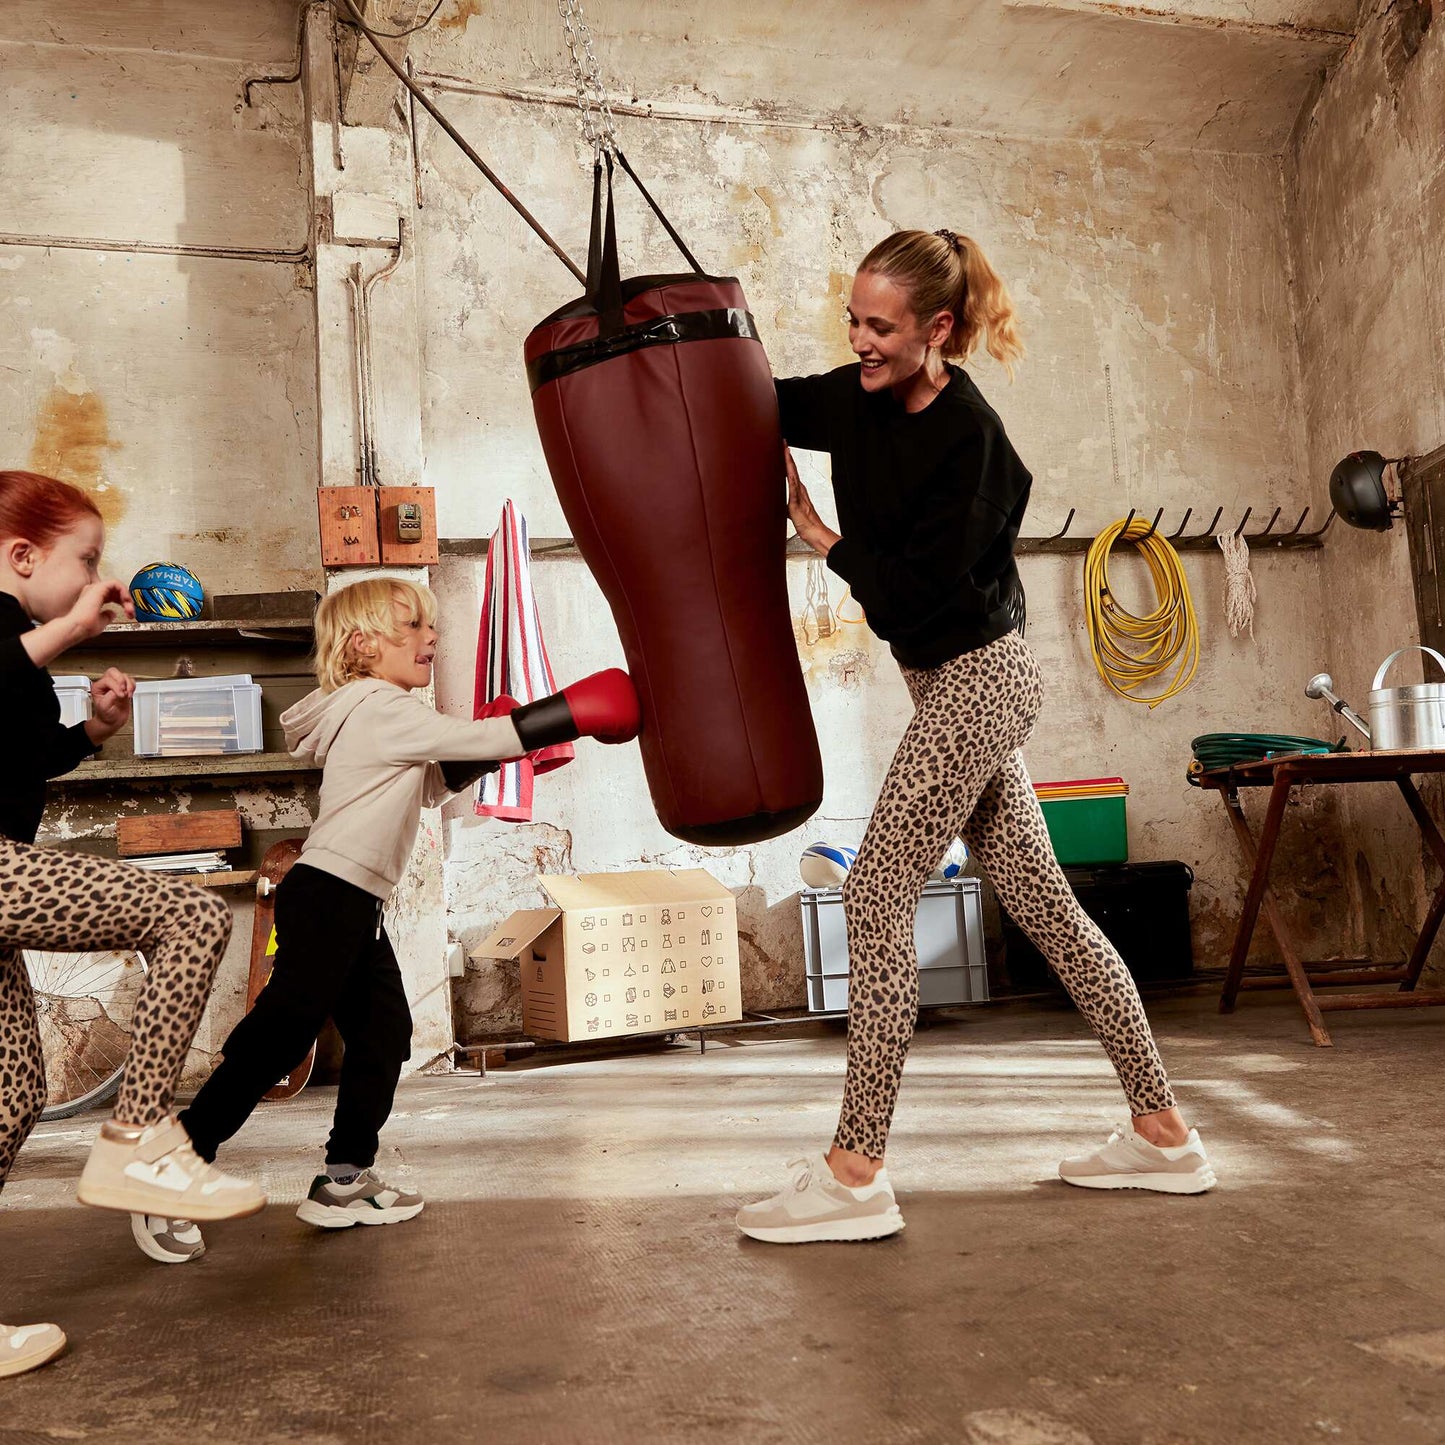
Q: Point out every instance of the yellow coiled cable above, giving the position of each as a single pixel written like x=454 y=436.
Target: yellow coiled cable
x=1131 y=652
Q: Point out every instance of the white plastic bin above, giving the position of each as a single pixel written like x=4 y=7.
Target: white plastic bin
x=197 y=716
x=948 y=933
x=73 y=690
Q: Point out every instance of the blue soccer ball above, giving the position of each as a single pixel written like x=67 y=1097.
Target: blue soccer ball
x=166 y=592
x=826 y=865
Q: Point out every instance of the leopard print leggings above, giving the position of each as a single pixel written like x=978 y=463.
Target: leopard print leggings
x=958 y=773
x=72 y=902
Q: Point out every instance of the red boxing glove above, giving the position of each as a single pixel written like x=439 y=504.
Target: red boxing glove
x=603 y=706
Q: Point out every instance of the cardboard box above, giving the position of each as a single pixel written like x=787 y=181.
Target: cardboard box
x=625 y=953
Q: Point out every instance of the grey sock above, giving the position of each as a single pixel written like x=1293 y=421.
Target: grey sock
x=343 y=1173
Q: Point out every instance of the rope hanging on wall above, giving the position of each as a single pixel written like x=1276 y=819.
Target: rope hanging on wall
x=1239 y=589
x=1131 y=652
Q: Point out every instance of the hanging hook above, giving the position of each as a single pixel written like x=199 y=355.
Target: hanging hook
x=1294 y=531
x=1318 y=536
x=1175 y=536
x=1128 y=522
x=1153 y=526
x=1068 y=522
x=1269 y=527
x=1239 y=529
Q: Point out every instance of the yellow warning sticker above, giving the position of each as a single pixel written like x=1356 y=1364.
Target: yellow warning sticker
x=271 y=943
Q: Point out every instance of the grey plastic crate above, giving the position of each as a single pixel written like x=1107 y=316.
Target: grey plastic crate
x=948 y=934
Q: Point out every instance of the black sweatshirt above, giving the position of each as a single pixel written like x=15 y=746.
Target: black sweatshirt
x=929 y=505
x=33 y=744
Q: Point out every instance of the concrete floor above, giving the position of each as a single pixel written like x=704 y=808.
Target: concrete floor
x=576 y=1277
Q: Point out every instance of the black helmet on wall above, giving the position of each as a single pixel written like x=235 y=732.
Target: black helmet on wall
x=1357 y=490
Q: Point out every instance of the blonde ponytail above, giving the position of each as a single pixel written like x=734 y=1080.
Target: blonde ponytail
x=943 y=271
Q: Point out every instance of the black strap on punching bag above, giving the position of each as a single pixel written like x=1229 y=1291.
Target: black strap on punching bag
x=606 y=296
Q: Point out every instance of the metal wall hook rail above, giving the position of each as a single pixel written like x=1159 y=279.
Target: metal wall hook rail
x=1061 y=542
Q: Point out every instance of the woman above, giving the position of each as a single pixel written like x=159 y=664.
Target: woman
x=52 y=599
x=930 y=497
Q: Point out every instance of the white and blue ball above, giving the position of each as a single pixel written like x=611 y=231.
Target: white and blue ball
x=954 y=861
x=166 y=592
x=826 y=865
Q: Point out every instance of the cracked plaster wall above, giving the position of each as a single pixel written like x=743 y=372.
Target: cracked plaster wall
x=180 y=390
x=1366 y=187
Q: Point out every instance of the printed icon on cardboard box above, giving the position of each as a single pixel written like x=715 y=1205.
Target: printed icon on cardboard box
x=588 y=923
x=667 y=915
x=591 y=975
x=668 y=966
x=590 y=1000
x=629 y=944
x=632 y=1021
x=592 y=1025
x=539 y=973
x=707 y=910
x=629 y=972
x=669 y=1016
x=667 y=940
x=589 y=948
x=709 y=1010
x=627 y=920
x=631 y=995
x=708 y=985
x=668 y=991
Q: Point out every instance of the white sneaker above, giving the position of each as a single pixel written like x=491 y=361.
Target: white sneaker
x=27 y=1347
x=158 y=1172
x=1129 y=1161
x=816 y=1207
x=171 y=1241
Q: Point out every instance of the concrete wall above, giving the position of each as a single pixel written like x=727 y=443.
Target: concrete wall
x=1366 y=185
x=1168 y=267
x=178 y=387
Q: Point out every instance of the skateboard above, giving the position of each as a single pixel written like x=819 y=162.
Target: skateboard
x=274 y=867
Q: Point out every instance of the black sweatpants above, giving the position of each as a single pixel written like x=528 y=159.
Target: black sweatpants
x=333 y=958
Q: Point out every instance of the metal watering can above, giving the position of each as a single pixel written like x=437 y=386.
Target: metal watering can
x=1407 y=717
x=1400 y=717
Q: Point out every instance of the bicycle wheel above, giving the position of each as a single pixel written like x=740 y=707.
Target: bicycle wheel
x=85 y=1003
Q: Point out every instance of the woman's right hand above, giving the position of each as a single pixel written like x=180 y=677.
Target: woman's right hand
x=94 y=610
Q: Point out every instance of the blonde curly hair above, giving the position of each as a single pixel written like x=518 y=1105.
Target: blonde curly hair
x=364 y=612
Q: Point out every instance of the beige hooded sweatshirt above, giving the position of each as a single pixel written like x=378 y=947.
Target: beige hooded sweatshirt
x=378 y=747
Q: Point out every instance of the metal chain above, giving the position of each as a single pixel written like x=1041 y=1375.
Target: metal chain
x=598 y=124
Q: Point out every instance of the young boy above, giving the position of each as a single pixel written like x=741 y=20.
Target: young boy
x=381 y=751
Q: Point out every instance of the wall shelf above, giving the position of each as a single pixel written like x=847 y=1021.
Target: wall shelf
x=202 y=769
x=206 y=632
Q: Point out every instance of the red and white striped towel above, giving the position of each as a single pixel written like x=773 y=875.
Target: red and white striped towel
x=512 y=661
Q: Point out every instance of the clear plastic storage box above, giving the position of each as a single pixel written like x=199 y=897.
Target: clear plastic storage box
x=948 y=933
x=73 y=690
x=197 y=716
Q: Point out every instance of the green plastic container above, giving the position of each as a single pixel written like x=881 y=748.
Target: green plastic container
x=1086 y=831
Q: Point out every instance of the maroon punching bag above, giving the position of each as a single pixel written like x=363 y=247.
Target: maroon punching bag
x=659 y=422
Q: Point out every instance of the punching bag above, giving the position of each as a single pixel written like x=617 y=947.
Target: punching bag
x=659 y=423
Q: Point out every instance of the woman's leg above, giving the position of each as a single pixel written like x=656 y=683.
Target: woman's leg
x=972 y=714
x=1009 y=838
x=74 y=902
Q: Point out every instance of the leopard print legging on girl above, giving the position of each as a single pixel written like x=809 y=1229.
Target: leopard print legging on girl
x=958 y=773
x=72 y=902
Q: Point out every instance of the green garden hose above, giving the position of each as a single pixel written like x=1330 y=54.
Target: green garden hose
x=1226 y=750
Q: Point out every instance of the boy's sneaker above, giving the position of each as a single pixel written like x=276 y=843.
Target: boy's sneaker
x=27 y=1347
x=171 y=1241
x=363 y=1200
x=158 y=1172
x=1129 y=1161
x=817 y=1207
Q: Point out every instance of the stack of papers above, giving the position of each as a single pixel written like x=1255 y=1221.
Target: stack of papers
x=184 y=862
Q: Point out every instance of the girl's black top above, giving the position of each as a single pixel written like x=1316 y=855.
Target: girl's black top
x=33 y=744
x=929 y=505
